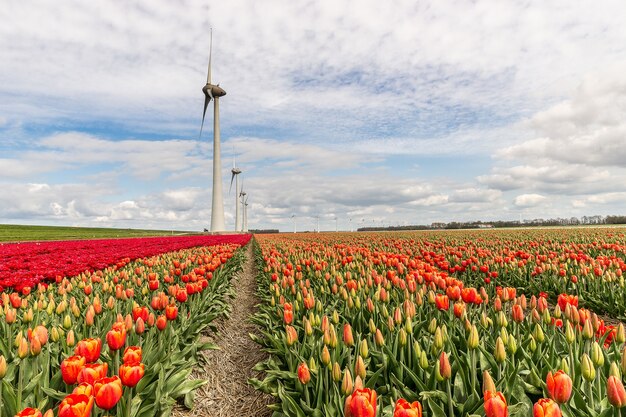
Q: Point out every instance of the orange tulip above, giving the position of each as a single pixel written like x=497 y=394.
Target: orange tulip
x=288 y=313
x=84 y=388
x=518 y=313
x=171 y=312
x=161 y=323
x=131 y=374
x=406 y=409
x=92 y=372
x=442 y=302
x=29 y=412
x=71 y=367
x=76 y=405
x=545 y=407
x=348 y=339
x=116 y=337
x=132 y=354
x=107 y=392
x=615 y=391
x=291 y=335
x=559 y=386
x=495 y=405
x=362 y=403
x=303 y=373
x=89 y=349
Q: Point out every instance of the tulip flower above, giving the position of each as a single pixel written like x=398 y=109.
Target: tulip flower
x=89 y=349
x=161 y=323
x=71 y=367
x=362 y=403
x=406 y=409
x=348 y=339
x=91 y=372
x=615 y=392
x=517 y=313
x=83 y=388
x=559 y=386
x=288 y=313
x=116 y=337
x=76 y=405
x=132 y=354
x=545 y=407
x=442 y=302
x=291 y=335
x=107 y=392
x=495 y=404
x=171 y=312
x=131 y=374
x=303 y=373
x=29 y=412
x=3 y=367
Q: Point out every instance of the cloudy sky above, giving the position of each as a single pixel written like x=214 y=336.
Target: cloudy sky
x=367 y=112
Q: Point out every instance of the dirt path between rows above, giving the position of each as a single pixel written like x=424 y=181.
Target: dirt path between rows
x=228 y=369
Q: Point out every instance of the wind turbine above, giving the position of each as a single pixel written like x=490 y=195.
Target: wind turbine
x=293 y=216
x=242 y=197
x=235 y=176
x=214 y=92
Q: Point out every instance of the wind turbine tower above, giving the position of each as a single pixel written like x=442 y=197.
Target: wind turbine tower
x=243 y=199
x=245 y=215
x=235 y=175
x=214 y=92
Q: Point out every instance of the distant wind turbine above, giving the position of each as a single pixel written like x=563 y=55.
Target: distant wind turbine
x=235 y=176
x=214 y=92
x=293 y=216
x=243 y=199
x=245 y=215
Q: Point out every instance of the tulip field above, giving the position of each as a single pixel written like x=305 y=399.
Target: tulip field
x=451 y=323
x=464 y=323
x=108 y=327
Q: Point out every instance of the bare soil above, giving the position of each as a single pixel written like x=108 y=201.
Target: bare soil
x=228 y=369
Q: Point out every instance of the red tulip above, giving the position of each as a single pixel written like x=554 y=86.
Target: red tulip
x=288 y=313
x=140 y=312
x=545 y=407
x=362 y=403
x=348 y=339
x=559 y=386
x=131 y=374
x=29 y=412
x=71 y=367
x=116 y=337
x=303 y=373
x=132 y=354
x=518 y=313
x=91 y=372
x=76 y=405
x=404 y=409
x=107 y=392
x=161 y=323
x=291 y=335
x=495 y=405
x=89 y=349
x=84 y=388
x=615 y=391
x=171 y=312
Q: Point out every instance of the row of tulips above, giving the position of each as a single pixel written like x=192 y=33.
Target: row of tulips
x=352 y=334
x=121 y=341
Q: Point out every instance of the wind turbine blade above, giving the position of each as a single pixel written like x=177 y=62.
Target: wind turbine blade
x=207 y=99
x=208 y=77
x=232 y=177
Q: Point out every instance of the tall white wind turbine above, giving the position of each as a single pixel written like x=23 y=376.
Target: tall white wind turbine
x=214 y=92
x=245 y=215
x=235 y=176
x=243 y=199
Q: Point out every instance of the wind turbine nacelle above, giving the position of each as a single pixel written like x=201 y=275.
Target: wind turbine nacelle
x=216 y=91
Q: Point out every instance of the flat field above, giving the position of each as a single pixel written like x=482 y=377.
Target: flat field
x=20 y=233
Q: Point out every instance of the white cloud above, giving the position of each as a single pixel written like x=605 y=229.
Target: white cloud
x=529 y=200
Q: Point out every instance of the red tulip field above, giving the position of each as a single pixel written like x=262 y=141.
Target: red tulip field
x=485 y=323
x=108 y=336
x=456 y=323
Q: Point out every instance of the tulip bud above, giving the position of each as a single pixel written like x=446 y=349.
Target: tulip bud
x=512 y=345
x=445 y=370
x=500 y=352
x=438 y=340
x=565 y=365
x=54 y=334
x=615 y=392
x=614 y=370
x=587 y=330
x=432 y=327
x=348 y=338
x=140 y=326
x=597 y=356
x=335 y=317
x=35 y=346
x=504 y=335
x=303 y=373
x=488 y=384
x=557 y=311
x=623 y=361
x=67 y=322
x=359 y=368
x=3 y=367
x=336 y=372
x=424 y=360
x=363 y=349
x=402 y=337
x=22 y=348
x=620 y=336
x=532 y=345
x=408 y=325
x=325 y=355
x=501 y=319
x=347 y=384
x=308 y=329
x=538 y=333
x=570 y=336
x=472 y=339
x=587 y=368
x=380 y=340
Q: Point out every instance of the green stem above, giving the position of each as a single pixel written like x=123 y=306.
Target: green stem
x=450 y=407
x=20 y=384
x=129 y=398
x=473 y=371
x=590 y=395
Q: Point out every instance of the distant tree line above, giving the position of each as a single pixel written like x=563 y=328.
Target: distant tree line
x=262 y=231
x=586 y=220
